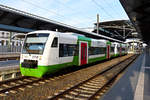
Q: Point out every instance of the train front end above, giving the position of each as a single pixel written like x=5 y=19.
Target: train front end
x=32 y=54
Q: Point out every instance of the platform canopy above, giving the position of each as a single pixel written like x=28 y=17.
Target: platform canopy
x=18 y=21
x=119 y=29
x=139 y=14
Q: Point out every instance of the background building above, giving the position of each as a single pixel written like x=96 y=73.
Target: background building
x=8 y=44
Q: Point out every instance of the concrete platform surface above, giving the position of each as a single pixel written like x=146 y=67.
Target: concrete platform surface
x=9 y=63
x=135 y=83
x=9 y=55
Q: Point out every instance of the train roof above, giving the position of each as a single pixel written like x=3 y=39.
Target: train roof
x=75 y=34
x=42 y=31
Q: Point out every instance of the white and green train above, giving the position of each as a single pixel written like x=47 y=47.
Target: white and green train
x=45 y=52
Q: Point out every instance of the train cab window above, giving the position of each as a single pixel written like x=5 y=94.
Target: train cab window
x=55 y=42
x=35 y=43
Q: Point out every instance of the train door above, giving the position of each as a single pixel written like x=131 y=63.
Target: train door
x=108 y=51
x=83 y=53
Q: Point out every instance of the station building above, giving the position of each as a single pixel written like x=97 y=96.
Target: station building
x=8 y=44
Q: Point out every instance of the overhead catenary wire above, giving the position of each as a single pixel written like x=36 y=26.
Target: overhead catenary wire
x=114 y=5
x=90 y=19
x=87 y=16
x=113 y=9
x=106 y=12
x=58 y=15
x=102 y=8
x=45 y=9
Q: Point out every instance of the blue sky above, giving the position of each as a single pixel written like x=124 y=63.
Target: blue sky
x=78 y=13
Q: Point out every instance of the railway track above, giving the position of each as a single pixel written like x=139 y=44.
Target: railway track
x=95 y=86
x=83 y=90
x=9 y=86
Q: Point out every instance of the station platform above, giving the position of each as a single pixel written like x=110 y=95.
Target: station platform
x=135 y=83
x=4 y=56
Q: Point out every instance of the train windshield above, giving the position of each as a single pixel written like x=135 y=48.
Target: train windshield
x=35 y=43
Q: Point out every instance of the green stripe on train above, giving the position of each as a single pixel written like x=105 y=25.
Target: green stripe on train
x=42 y=70
x=91 y=60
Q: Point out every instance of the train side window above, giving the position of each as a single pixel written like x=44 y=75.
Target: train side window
x=55 y=42
x=3 y=42
x=112 y=49
x=61 y=50
x=7 y=42
x=71 y=49
x=97 y=50
x=66 y=50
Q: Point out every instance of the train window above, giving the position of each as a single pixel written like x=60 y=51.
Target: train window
x=60 y=50
x=12 y=43
x=35 y=43
x=112 y=49
x=63 y=50
x=67 y=50
x=85 y=52
x=96 y=50
x=3 y=42
x=71 y=49
x=82 y=57
x=16 y=43
x=7 y=42
x=102 y=50
x=123 y=49
x=91 y=50
x=55 y=42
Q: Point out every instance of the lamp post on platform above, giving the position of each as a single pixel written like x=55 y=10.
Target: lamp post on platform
x=97 y=23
